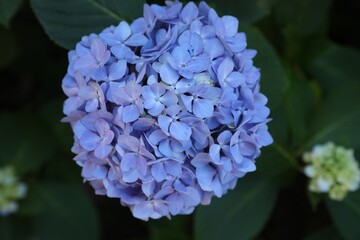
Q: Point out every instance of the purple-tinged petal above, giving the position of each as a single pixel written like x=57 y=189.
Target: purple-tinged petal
x=102 y=150
x=128 y=161
x=201 y=160
x=129 y=143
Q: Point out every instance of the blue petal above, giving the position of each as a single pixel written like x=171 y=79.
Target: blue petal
x=165 y=149
x=214 y=153
x=158 y=172
x=180 y=131
x=205 y=177
x=201 y=160
x=92 y=105
x=122 y=31
x=199 y=64
x=130 y=113
x=203 y=108
x=128 y=161
x=129 y=143
x=225 y=68
x=102 y=151
x=231 y=25
x=168 y=74
x=156 y=136
x=117 y=70
x=189 y=13
x=224 y=137
x=187 y=100
x=98 y=48
x=164 y=123
x=180 y=55
x=235 y=79
x=169 y=98
x=156 y=109
x=137 y=39
x=175 y=203
x=214 y=48
x=89 y=140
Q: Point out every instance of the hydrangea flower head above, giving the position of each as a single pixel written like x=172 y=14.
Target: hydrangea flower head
x=166 y=111
x=11 y=190
x=332 y=169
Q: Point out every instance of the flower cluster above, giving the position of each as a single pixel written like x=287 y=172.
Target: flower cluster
x=166 y=111
x=11 y=190
x=332 y=169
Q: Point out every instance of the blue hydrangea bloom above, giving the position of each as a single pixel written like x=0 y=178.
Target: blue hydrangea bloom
x=167 y=111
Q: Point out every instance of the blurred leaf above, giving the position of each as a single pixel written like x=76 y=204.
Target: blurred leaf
x=52 y=114
x=26 y=142
x=336 y=67
x=299 y=104
x=13 y=227
x=346 y=215
x=338 y=119
x=245 y=11
x=8 y=8
x=240 y=214
x=314 y=199
x=304 y=17
x=66 y=213
x=175 y=229
x=273 y=79
x=328 y=233
x=278 y=127
x=9 y=48
x=243 y=212
x=68 y=20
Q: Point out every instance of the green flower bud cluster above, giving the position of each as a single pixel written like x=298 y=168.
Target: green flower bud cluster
x=11 y=190
x=332 y=169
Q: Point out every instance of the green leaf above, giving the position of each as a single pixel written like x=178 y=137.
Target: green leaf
x=26 y=144
x=336 y=67
x=305 y=17
x=245 y=11
x=240 y=214
x=338 y=119
x=164 y=229
x=68 y=20
x=243 y=212
x=52 y=113
x=273 y=79
x=66 y=212
x=8 y=8
x=299 y=104
x=346 y=215
x=328 y=233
